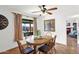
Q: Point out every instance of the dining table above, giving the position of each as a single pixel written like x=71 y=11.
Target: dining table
x=37 y=42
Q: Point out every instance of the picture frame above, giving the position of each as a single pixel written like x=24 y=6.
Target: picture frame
x=49 y=25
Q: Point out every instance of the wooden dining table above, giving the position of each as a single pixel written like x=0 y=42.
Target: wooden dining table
x=37 y=42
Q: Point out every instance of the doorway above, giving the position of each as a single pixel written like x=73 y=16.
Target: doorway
x=71 y=30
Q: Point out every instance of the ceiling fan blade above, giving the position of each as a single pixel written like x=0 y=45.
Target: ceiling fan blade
x=36 y=11
x=40 y=7
x=52 y=9
x=49 y=13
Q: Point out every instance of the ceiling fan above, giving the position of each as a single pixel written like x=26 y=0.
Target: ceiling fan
x=44 y=10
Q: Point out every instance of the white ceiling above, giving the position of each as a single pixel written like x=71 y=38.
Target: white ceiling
x=24 y=8
x=67 y=10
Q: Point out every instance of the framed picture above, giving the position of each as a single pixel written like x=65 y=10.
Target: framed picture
x=49 y=25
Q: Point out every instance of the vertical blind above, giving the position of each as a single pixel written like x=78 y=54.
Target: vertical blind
x=35 y=26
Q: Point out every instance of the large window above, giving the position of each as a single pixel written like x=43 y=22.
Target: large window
x=27 y=26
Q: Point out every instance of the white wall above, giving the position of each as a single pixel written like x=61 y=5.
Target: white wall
x=60 y=26
x=7 y=34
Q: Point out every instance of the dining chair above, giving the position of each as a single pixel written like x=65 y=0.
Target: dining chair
x=27 y=50
x=48 y=47
x=54 y=42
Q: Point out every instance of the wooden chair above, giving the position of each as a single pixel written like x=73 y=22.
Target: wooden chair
x=48 y=47
x=23 y=50
x=54 y=41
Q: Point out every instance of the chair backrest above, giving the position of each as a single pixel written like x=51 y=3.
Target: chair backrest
x=51 y=43
x=54 y=39
x=20 y=47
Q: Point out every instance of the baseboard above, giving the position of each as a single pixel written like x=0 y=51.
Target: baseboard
x=61 y=44
x=8 y=50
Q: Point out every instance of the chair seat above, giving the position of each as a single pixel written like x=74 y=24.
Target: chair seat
x=28 y=50
x=43 y=48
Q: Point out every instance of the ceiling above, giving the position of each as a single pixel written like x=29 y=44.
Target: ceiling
x=67 y=10
x=25 y=8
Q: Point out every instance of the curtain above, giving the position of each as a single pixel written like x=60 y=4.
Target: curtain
x=35 y=26
x=18 y=26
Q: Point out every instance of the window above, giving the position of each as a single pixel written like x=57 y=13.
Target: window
x=27 y=27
